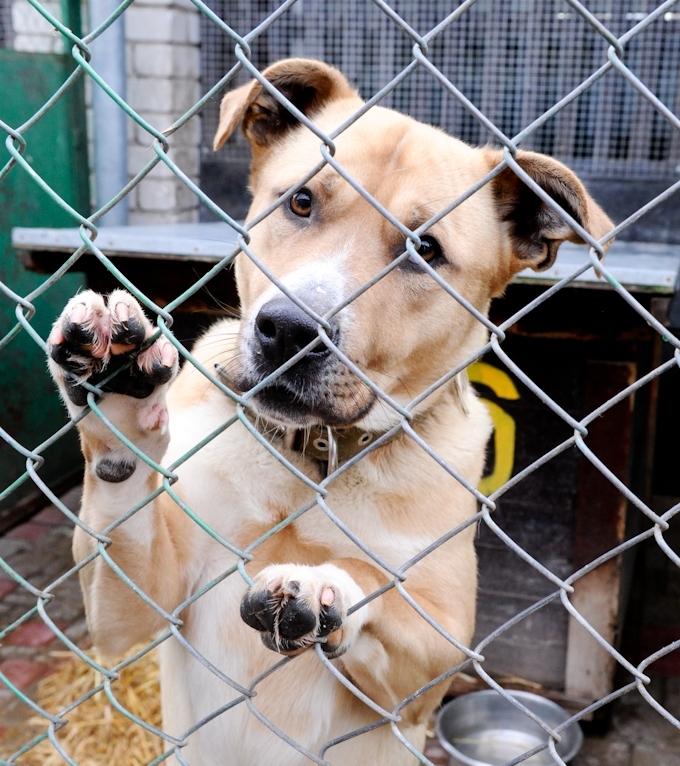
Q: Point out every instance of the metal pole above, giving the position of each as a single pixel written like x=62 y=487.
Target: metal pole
x=71 y=16
x=109 y=120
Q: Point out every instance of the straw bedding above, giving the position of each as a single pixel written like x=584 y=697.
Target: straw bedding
x=97 y=734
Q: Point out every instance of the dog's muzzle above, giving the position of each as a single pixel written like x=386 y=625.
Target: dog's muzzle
x=302 y=394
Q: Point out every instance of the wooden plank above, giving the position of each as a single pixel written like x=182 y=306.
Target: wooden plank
x=599 y=527
x=218 y=297
x=200 y=242
x=640 y=267
x=537 y=514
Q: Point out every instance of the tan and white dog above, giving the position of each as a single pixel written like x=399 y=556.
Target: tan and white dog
x=404 y=333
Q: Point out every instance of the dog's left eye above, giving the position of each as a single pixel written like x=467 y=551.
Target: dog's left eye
x=301 y=203
x=429 y=249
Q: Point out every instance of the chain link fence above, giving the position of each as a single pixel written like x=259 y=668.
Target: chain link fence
x=611 y=64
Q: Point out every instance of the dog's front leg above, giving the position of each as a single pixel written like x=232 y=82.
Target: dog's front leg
x=92 y=337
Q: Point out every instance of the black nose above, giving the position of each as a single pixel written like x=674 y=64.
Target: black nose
x=282 y=329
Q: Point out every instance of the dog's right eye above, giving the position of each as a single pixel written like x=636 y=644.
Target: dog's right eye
x=301 y=203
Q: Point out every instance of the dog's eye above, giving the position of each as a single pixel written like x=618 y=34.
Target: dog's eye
x=301 y=203
x=429 y=249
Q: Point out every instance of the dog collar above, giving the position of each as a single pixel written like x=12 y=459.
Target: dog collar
x=328 y=446
x=332 y=446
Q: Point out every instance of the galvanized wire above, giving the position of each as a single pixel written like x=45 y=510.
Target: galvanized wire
x=612 y=64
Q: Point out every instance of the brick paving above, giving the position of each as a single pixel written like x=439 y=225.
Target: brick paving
x=40 y=551
x=22 y=673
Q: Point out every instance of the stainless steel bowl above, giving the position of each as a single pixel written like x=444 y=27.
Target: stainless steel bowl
x=484 y=729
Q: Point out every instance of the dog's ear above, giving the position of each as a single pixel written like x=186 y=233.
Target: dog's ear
x=535 y=230
x=307 y=84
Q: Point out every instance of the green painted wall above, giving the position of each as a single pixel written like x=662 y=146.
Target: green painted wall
x=56 y=148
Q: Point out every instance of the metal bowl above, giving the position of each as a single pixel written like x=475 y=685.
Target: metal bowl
x=484 y=729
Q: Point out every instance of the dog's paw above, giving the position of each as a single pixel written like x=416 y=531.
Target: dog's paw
x=295 y=606
x=95 y=336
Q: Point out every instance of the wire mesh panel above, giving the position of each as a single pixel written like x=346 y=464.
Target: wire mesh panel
x=513 y=59
x=6 y=31
x=490 y=72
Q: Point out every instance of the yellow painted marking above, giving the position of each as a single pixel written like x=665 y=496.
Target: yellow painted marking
x=497 y=380
x=504 y=445
x=503 y=424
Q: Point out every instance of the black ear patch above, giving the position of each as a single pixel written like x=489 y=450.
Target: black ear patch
x=129 y=332
x=267 y=118
x=308 y=84
x=535 y=229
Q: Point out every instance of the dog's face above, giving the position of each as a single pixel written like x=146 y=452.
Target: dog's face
x=327 y=242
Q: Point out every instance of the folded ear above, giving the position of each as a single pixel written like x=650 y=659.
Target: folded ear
x=307 y=84
x=535 y=230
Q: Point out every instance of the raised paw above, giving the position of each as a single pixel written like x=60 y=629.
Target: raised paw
x=295 y=606
x=95 y=336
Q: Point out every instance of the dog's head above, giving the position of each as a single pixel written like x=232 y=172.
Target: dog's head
x=404 y=332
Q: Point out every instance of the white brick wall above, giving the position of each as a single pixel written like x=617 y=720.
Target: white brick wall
x=163 y=82
x=32 y=32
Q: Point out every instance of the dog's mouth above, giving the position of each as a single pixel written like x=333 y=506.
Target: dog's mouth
x=286 y=405
x=317 y=390
x=300 y=402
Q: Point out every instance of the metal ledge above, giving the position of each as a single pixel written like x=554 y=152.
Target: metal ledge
x=638 y=266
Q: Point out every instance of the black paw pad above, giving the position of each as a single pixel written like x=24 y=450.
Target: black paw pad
x=114 y=471
x=74 y=359
x=330 y=620
x=129 y=382
x=75 y=392
x=64 y=353
x=296 y=620
x=76 y=334
x=133 y=381
x=284 y=645
x=258 y=609
x=159 y=374
x=61 y=354
x=287 y=623
x=128 y=333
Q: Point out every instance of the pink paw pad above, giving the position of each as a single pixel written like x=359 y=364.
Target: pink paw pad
x=154 y=417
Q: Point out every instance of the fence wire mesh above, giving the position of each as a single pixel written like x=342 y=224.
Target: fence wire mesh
x=512 y=60
x=608 y=61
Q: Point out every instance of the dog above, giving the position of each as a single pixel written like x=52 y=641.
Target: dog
x=377 y=354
